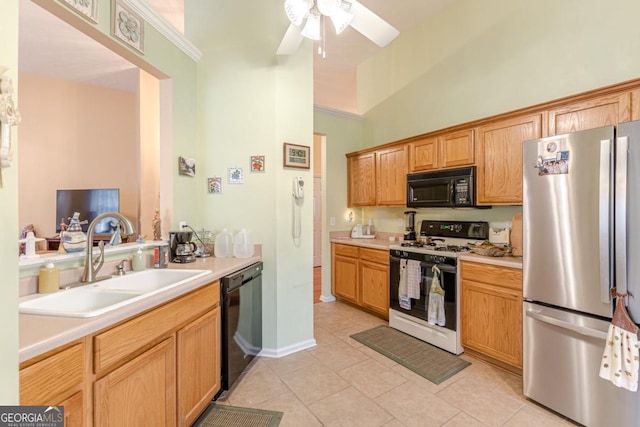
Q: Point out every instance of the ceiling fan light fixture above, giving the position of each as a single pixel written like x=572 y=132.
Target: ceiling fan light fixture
x=297 y=10
x=328 y=7
x=311 y=29
x=340 y=19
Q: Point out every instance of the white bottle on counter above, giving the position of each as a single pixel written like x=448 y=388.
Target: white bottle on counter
x=243 y=244
x=224 y=244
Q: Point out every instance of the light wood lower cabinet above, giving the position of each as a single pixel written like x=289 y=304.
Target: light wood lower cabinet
x=491 y=313
x=140 y=392
x=57 y=379
x=344 y=270
x=159 y=368
x=361 y=276
x=198 y=366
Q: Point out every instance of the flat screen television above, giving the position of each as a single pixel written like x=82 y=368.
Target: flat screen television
x=89 y=203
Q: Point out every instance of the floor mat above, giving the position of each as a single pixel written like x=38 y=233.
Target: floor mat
x=428 y=361
x=234 y=416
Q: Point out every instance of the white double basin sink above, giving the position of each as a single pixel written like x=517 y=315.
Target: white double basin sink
x=106 y=295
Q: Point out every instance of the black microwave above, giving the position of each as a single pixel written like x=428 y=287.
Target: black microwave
x=450 y=188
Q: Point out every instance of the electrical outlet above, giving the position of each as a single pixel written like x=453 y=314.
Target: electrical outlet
x=400 y=222
x=182 y=224
x=332 y=220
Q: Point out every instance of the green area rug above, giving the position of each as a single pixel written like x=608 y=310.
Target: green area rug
x=428 y=361
x=234 y=416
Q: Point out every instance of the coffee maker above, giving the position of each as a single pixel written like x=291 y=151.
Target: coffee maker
x=409 y=226
x=181 y=248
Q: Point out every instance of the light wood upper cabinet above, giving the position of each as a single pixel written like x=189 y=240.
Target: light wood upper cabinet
x=457 y=149
x=361 y=180
x=423 y=154
x=450 y=150
x=499 y=159
x=391 y=176
x=591 y=113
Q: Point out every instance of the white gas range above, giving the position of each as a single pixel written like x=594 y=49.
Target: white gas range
x=411 y=276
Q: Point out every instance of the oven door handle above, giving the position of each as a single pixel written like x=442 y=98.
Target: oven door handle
x=443 y=267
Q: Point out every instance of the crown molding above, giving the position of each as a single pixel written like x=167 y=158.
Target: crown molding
x=338 y=113
x=152 y=17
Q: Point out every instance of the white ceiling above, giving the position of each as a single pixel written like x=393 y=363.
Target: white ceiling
x=52 y=48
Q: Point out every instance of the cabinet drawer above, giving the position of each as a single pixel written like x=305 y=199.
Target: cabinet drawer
x=44 y=382
x=116 y=344
x=374 y=255
x=492 y=274
x=345 y=250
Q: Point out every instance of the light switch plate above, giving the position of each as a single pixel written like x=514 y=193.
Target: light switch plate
x=332 y=220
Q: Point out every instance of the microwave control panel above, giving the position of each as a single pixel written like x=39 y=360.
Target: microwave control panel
x=462 y=196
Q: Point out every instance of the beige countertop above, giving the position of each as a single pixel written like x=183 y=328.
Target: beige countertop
x=380 y=242
x=504 y=261
x=39 y=334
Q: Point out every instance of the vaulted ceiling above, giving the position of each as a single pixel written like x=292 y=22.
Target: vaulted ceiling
x=50 y=47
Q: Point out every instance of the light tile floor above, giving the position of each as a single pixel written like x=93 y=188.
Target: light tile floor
x=340 y=382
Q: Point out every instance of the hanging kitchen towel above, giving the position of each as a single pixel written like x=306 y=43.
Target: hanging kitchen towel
x=403 y=296
x=414 y=277
x=620 y=358
x=435 y=315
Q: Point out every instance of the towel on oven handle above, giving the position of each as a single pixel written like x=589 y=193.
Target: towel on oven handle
x=414 y=277
x=435 y=315
x=403 y=297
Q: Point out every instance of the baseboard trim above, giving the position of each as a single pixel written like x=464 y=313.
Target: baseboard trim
x=285 y=351
x=329 y=298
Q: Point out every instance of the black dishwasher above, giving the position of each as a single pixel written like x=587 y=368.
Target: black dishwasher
x=241 y=295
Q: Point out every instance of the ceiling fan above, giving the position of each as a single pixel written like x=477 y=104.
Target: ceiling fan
x=341 y=13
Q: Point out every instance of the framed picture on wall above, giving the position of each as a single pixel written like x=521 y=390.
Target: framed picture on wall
x=257 y=163
x=214 y=184
x=297 y=156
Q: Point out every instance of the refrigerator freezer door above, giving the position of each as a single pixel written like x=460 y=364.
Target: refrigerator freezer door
x=627 y=208
x=561 y=365
x=567 y=220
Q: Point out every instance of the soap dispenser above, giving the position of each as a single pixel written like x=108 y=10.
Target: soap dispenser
x=49 y=279
x=138 y=262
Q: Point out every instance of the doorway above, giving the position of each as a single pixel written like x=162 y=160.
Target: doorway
x=317 y=216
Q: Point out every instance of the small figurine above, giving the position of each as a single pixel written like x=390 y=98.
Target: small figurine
x=156 y=224
x=116 y=238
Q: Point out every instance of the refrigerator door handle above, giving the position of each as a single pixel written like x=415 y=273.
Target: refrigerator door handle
x=604 y=220
x=620 y=200
x=582 y=330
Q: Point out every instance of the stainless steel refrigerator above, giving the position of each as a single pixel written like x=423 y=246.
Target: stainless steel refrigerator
x=581 y=223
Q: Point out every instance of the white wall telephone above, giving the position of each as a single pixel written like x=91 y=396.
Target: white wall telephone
x=298 y=187
x=298 y=199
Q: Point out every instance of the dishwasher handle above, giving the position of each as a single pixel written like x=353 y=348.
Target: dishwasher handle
x=239 y=278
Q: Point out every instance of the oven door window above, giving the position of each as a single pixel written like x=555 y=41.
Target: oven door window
x=436 y=192
x=419 y=307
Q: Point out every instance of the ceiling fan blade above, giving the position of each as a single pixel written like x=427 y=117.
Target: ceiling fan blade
x=290 y=42
x=371 y=25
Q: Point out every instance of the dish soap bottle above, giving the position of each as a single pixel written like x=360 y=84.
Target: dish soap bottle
x=48 y=279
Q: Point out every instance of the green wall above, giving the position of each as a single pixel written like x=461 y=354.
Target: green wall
x=249 y=103
x=476 y=59
x=343 y=134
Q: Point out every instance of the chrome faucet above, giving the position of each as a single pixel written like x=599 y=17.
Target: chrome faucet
x=93 y=265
